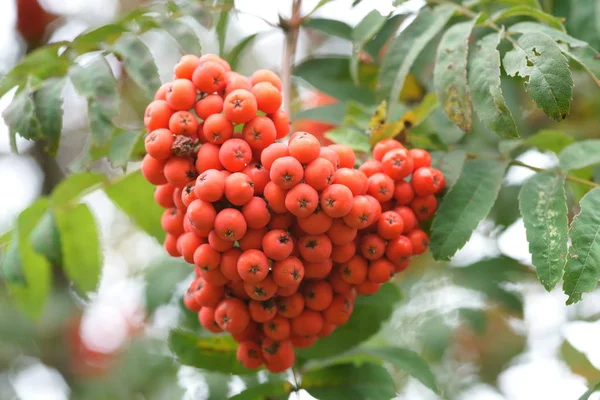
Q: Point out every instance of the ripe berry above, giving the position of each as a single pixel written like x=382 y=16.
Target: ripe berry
x=259 y=132
x=207 y=295
x=181 y=95
x=253 y=266
x=380 y=271
x=390 y=225
x=371 y=167
x=384 y=146
x=256 y=213
x=290 y=306
x=209 y=77
x=318 y=270
x=153 y=170
x=163 y=195
x=217 y=129
x=230 y=224
x=272 y=153
x=360 y=214
x=340 y=233
x=210 y=185
x=346 y=155
x=268 y=97
x=308 y=323
x=202 y=215
x=264 y=75
x=249 y=354
x=158 y=144
x=403 y=192
x=228 y=263
x=179 y=171
x=157 y=115
x=304 y=147
x=319 y=173
x=206 y=258
x=277 y=244
x=339 y=310
x=187 y=244
x=288 y=272
x=286 y=172
x=240 y=106
x=314 y=248
x=353 y=179
x=172 y=221
x=419 y=240
x=302 y=200
x=275 y=197
x=336 y=200
x=355 y=270
x=278 y=328
x=206 y=316
x=343 y=253
x=239 y=189
x=209 y=105
x=262 y=290
x=232 y=315
x=399 y=249
x=235 y=154
x=252 y=239
x=317 y=295
x=421 y=158
x=183 y=123
x=281 y=120
x=372 y=247
x=208 y=158
x=316 y=223
x=424 y=207
x=397 y=164
x=381 y=187
x=408 y=218
x=262 y=311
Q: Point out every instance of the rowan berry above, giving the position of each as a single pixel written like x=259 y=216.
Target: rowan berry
x=317 y=295
x=286 y=172
x=262 y=290
x=397 y=164
x=253 y=266
x=163 y=195
x=240 y=106
x=421 y=158
x=264 y=75
x=290 y=306
x=390 y=225
x=339 y=311
x=262 y=311
x=209 y=77
x=179 y=171
x=403 y=192
x=314 y=248
x=157 y=115
x=228 y=264
x=281 y=120
x=153 y=170
x=217 y=129
x=259 y=132
x=208 y=158
x=355 y=270
x=232 y=315
x=187 y=244
x=383 y=147
x=206 y=316
x=249 y=354
x=230 y=224
x=381 y=187
x=346 y=155
x=288 y=272
x=371 y=167
x=399 y=249
x=302 y=200
x=308 y=323
x=181 y=95
x=419 y=240
x=202 y=215
x=372 y=247
x=158 y=144
x=268 y=97
x=424 y=207
x=380 y=271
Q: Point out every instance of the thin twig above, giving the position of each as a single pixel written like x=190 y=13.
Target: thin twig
x=291 y=27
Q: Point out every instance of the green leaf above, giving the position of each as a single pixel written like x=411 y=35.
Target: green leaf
x=123 y=147
x=10 y=264
x=320 y=4
x=489 y=276
x=370 y=312
x=331 y=113
x=450 y=74
x=81 y=249
x=212 y=353
x=559 y=36
x=234 y=55
x=97 y=84
x=183 y=34
x=549 y=140
x=331 y=75
x=408 y=361
x=543 y=205
x=580 y=155
x=582 y=270
x=528 y=11
x=330 y=26
x=537 y=58
x=404 y=49
x=346 y=381
x=475 y=318
x=362 y=32
x=45 y=239
x=583 y=20
x=126 y=194
x=590 y=391
x=138 y=63
x=265 y=391
x=48 y=109
x=485 y=87
x=42 y=63
x=221 y=31
x=218 y=385
x=466 y=204
x=36 y=269
x=389 y=28
x=20 y=117
x=160 y=285
x=76 y=186
x=106 y=34
x=451 y=164
x=356 y=140
x=587 y=57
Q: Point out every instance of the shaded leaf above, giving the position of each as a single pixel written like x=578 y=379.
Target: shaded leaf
x=528 y=11
x=81 y=249
x=138 y=63
x=49 y=112
x=537 y=58
x=404 y=49
x=485 y=87
x=184 y=35
x=331 y=75
x=126 y=194
x=356 y=140
x=265 y=391
x=450 y=74
x=234 y=55
x=221 y=31
x=582 y=270
x=45 y=239
x=346 y=381
x=20 y=117
x=370 y=312
x=123 y=146
x=451 y=164
x=580 y=154
x=543 y=205
x=331 y=113
x=362 y=32
x=587 y=58
x=583 y=20
x=475 y=317
x=106 y=34
x=466 y=204
x=330 y=26
x=212 y=353
x=75 y=186
x=161 y=285
x=97 y=84
x=549 y=140
x=389 y=28
x=12 y=269
x=37 y=271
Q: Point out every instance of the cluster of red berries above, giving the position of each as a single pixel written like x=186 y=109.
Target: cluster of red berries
x=283 y=236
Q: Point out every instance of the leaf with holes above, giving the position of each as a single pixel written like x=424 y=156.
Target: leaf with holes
x=450 y=74
x=213 y=353
x=543 y=205
x=184 y=35
x=404 y=49
x=80 y=246
x=580 y=155
x=485 y=87
x=466 y=204
x=126 y=192
x=347 y=381
x=582 y=270
x=537 y=58
x=138 y=62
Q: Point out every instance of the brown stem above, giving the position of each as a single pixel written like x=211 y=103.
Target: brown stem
x=291 y=28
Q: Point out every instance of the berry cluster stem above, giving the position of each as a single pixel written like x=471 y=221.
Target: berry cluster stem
x=291 y=28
